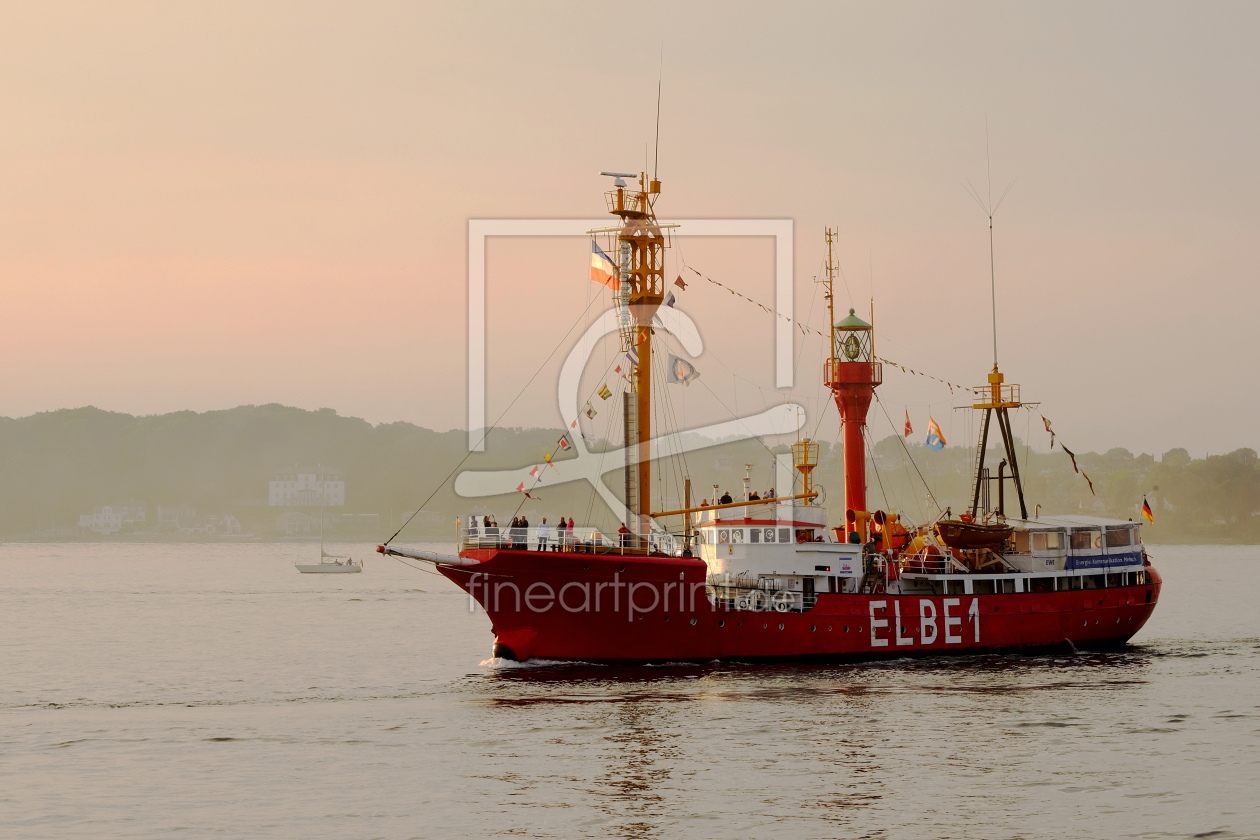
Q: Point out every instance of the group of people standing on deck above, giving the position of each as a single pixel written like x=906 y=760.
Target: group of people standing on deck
x=516 y=535
x=726 y=499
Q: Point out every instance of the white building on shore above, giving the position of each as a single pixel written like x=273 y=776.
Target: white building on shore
x=109 y=519
x=298 y=486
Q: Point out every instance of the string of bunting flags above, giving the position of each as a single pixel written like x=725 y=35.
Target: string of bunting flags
x=1070 y=453
x=537 y=471
x=807 y=330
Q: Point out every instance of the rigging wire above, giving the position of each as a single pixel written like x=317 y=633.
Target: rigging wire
x=539 y=480
x=806 y=330
x=417 y=568
x=672 y=440
x=736 y=417
x=926 y=486
x=494 y=425
x=870 y=450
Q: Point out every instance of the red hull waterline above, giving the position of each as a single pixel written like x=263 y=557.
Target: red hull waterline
x=614 y=609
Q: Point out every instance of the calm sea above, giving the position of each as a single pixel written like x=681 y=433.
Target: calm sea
x=211 y=691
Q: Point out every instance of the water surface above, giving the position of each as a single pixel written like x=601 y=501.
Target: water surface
x=208 y=690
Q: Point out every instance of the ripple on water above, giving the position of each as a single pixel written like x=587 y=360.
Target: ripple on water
x=301 y=678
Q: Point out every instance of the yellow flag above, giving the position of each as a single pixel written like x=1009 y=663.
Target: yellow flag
x=603 y=391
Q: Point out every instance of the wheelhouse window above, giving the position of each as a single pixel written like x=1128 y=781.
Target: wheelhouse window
x=1047 y=541
x=1084 y=540
x=754 y=535
x=1118 y=537
x=724 y=536
x=785 y=535
x=737 y=535
x=769 y=535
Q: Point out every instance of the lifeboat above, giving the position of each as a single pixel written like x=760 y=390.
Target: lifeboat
x=972 y=535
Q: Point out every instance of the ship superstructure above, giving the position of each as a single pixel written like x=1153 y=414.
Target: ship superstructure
x=760 y=579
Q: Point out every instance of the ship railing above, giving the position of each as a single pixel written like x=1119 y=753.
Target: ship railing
x=932 y=564
x=755 y=509
x=589 y=540
x=843 y=372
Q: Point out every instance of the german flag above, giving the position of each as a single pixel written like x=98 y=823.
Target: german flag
x=1147 y=512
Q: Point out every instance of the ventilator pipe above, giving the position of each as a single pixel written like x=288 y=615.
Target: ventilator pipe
x=858 y=520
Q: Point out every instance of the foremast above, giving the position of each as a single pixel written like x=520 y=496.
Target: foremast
x=641 y=243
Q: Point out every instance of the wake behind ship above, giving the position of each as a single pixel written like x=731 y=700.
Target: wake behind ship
x=767 y=579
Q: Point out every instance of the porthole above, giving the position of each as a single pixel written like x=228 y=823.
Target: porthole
x=846 y=628
x=828 y=628
x=765 y=627
x=693 y=622
x=813 y=627
x=622 y=569
x=1085 y=623
x=722 y=623
x=859 y=629
x=780 y=625
x=587 y=566
x=667 y=618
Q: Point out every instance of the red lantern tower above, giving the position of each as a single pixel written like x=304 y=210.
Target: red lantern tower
x=852 y=374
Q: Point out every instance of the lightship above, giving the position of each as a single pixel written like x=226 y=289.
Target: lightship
x=766 y=579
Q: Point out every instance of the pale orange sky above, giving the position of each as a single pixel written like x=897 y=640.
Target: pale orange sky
x=204 y=205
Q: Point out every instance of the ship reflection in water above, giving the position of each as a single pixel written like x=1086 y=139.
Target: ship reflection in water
x=808 y=749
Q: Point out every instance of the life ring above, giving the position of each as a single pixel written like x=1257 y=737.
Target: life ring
x=742 y=604
x=1098 y=541
x=780 y=606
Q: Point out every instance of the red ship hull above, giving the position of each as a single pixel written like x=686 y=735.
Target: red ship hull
x=621 y=609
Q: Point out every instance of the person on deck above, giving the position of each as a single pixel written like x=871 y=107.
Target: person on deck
x=770 y=493
x=726 y=498
x=624 y=534
x=562 y=535
x=544 y=533
x=571 y=534
x=754 y=497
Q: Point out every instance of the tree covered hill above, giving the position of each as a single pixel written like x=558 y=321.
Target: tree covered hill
x=57 y=465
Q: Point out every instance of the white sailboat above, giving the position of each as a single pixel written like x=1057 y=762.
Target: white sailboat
x=329 y=564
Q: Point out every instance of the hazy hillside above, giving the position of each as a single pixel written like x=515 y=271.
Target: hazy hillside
x=57 y=465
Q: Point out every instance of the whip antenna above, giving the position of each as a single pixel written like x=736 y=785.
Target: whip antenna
x=989 y=209
x=660 y=75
